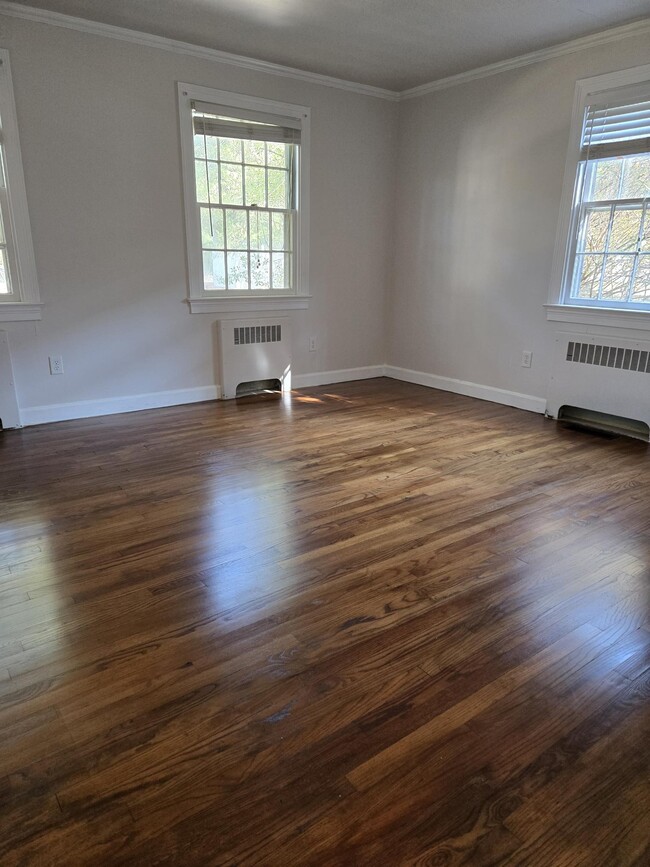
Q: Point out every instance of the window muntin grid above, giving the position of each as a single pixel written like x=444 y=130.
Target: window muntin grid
x=612 y=254
x=246 y=196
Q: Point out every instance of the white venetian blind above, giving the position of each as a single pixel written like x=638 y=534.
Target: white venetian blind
x=227 y=122
x=619 y=129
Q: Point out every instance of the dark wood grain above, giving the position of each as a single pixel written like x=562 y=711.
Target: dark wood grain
x=365 y=624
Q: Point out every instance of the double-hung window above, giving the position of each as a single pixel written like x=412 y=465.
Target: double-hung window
x=19 y=294
x=607 y=257
x=244 y=195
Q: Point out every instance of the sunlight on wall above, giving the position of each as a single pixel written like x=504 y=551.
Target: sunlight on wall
x=286 y=379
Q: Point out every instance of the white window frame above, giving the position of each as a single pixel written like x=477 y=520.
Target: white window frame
x=200 y=300
x=24 y=302
x=560 y=307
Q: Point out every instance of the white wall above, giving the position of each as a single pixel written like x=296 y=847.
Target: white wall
x=99 y=134
x=431 y=251
x=481 y=167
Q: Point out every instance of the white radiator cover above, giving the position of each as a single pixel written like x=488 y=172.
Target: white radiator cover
x=254 y=349
x=9 y=413
x=609 y=375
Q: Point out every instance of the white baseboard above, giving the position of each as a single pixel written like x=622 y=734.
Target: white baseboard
x=470 y=389
x=31 y=415
x=327 y=377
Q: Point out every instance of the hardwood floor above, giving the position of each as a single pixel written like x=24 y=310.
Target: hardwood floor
x=367 y=624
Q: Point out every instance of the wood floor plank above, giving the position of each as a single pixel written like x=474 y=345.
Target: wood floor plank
x=368 y=623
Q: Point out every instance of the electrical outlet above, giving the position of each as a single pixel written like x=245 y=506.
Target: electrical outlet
x=527 y=358
x=56 y=365
x=312 y=344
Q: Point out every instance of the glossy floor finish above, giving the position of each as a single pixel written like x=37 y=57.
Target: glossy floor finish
x=367 y=624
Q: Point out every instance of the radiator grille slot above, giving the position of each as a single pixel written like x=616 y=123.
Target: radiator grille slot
x=637 y=360
x=257 y=334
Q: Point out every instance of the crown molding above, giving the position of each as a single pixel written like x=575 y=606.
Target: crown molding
x=97 y=28
x=636 y=28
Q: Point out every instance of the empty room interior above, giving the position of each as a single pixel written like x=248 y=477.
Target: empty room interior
x=325 y=423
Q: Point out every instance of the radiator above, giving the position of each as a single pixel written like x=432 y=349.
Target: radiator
x=254 y=352
x=601 y=374
x=9 y=414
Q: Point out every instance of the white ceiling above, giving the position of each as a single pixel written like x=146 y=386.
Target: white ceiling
x=389 y=43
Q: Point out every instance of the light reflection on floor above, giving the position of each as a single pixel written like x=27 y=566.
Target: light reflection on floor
x=32 y=573
x=252 y=518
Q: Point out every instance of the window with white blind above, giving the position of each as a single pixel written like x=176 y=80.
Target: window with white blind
x=19 y=294
x=607 y=258
x=244 y=169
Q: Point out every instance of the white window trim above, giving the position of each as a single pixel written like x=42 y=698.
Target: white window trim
x=558 y=308
x=27 y=301
x=197 y=298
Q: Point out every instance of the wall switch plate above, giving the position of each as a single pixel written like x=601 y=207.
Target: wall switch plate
x=312 y=344
x=527 y=358
x=56 y=365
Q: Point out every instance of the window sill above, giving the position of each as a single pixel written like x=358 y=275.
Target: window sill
x=613 y=317
x=19 y=311
x=254 y=303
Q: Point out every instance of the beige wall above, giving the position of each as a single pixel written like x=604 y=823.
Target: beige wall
x=99 y=133
x=481 y=167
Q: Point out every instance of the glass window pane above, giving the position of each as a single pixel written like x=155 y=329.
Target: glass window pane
x=645 y=240
x=588 y=270
x=625 y=229
x=259 y=230
x=279 y=276
x=214 y=272
x=278 y=188
x=595 y=230
x=276 y=154
x=616 y=277
x=636 y=177
x=237 y=243
x=255 y=186
x=236 y=230
x=230 y=149
x=642 y=280
x=211 y=147
x=199 y=147
x=254 y=152
x=606 y=180
x=201 y=175
x=238 y=271
x=213 y=181
x=231 y=185
x=205 y=146
x=212 y=228
x=5 y=285
x=260 y=270
x=280 y=232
